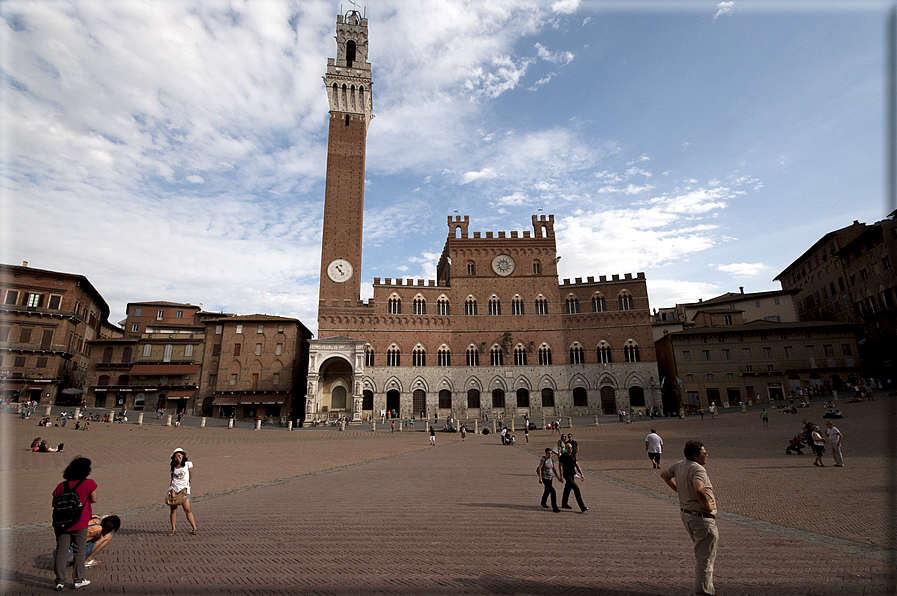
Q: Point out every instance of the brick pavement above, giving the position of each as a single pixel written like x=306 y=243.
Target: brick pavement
x=359 y=512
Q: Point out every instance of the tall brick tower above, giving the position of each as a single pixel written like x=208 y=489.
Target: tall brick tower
x=348 y=82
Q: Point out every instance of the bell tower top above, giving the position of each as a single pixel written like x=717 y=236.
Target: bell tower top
x=348 y=77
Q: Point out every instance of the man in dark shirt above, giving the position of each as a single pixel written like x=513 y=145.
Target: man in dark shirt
x=574 y=444
x=569 y=468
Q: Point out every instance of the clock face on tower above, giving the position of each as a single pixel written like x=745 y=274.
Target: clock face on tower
x=503 y=265
x=339 y=270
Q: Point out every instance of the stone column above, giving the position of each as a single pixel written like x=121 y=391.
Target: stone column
x=202 y=422
x=168 y=421
x=230 y=423
x=140 y=418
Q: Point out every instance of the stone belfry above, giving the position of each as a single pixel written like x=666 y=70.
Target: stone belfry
x=348 y=83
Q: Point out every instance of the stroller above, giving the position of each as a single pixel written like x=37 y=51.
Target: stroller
x=795 y=445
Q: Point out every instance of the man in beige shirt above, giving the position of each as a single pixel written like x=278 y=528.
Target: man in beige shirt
x=690 y=481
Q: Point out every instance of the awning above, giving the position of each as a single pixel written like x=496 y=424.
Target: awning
x=183 y=394
x=264 y=399
x=164 y=369
x=226 y=400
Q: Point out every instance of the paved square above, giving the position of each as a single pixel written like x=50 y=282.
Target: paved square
x=361 y=512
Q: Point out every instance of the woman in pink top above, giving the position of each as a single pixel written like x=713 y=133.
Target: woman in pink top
x=77 y=481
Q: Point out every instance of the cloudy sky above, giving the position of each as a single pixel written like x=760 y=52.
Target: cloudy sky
x=176 y=150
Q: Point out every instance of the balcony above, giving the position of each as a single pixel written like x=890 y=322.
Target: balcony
x=36 y=348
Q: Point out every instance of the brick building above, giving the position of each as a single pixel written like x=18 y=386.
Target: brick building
x=494 y=332
x=47 y=320
x=253 y=366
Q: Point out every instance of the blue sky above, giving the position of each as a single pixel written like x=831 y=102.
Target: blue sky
x=176 y=150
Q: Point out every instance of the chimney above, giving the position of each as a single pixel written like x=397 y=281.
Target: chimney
x=24 y=263
x=741 y=288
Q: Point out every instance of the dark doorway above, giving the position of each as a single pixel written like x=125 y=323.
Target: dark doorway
x=608 y=401
x=393 y=400
x=419 y=402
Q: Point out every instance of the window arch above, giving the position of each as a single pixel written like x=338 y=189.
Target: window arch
x=494 y=305
x=580 y=397
x=599 y=304
x=368 y=356
x=522 y=398
x=350 y=53
x=167 y=352
x=544 y=355
x=631 y=353
x=519 y=355
x=419 y=305
x=516 y=305
x=122 y=381
x=604 y=353
x=107 y=354
x=624 y=300
x=445 y=399
x=103 y=380
x=473 y=398
x=473 y=356
x=577 y=354
x=636 y=397
x=711 y=377
x=394 y=305
x=498 y=398
x=572 y=305
x=537 y=267
x=471 y=268
x=418 y=356
x=442 y=306
x=470 y=306
x=541 y=305
x=393 y=356
x=126 y=355
x=496 y=357
x=548 y=397
x=443 y=356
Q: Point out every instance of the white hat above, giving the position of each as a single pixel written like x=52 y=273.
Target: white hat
x=178 y=450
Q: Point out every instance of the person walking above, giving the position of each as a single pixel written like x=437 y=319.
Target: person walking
x=546 y=470
x=654 y=447
x=764 y=416
x=818 y=446
x=73 y=536
x=463 y=432
x=569 y=469
x=181 y=475
x=698 y=511
x=834 y=441
x=432 y=436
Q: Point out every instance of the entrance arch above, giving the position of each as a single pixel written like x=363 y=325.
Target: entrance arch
x=393 y=400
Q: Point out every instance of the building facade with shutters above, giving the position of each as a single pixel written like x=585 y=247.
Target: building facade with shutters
x=495 y=332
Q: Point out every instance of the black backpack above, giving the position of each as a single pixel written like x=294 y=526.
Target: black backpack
x=67 y=508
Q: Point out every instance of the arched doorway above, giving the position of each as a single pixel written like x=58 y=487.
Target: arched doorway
x=393 y=400
x=419 y=403
x=608 y=401
x=335 y=386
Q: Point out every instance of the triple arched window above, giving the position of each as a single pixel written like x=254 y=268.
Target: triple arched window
x=630 y=353
x=443 y=356
x=394 y=305
x=624 y=300
x=393 y=356
x=541 y=306
x=604 y=353
x=419 y=305
x=572 y=305
x=599 y=304
x=577 y=355
x=544 y=355
x=442 y=306
x=519 y=355
x=368 y=356
x=418 y=356
x=470 y=306
x=516 y=306
x=494 y=306
x=473 y=356
x=496 y=357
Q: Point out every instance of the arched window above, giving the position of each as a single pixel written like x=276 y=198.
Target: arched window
x=519 y=355
x=630 y=352
x=394 y=305
x=598 y=303
x=122 y=381
x=541 y=306
x=350 y=53
x=548 y=398
x=498 y=398
x=103 y=381
x=577 y=356
x=445 y=399
x=368 y=356
x=367 y=400
x=338 y=398
x=604 y=353
x=636 y=397
x=126 y=355
x=473 y=398
x=169 y=348
x=494 y=306
x=572 y=305
x=496 y=357
x=580 y=397
x=624 y=301
x=443 y=356
x=537 y=268
x=419 y=356
x=522 y=398
x=710 y=377
x=419 y=305
x=470 y=306
x=471 y=268
x=107 y=355
x=473 y=356
x=516 y=306
x=442 y=306
x=393 y=356
x=544 y=355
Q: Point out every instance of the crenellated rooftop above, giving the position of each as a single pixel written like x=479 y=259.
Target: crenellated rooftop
x=603 y=279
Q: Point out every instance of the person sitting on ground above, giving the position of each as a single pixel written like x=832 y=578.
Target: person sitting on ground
x=99 y=535
x=41 y=446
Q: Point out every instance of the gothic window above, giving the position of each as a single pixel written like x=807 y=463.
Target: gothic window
x=442 y=306
x=494 y=306
x=418 y=356
x=471 y=268
x=604 y=353
x=516 y=306
x=547 y=398
x=103 y=380
x=443 y=357
x=630 y=352
x=636 y=397
x=470 y=306
x=419 y=305
x=572 y=305
x=445 y=399
x=541 y=306
x=544 y=355
x=473 y=398
x=537 y=267
x=522 y=398
x=394 y=305
x=576 y=354
x=495 y=356
x=580 y=397
x=519 y=355
x=498 y=398
x=624 y=301
x=368 y=356
x=473 y=356
x=393 y=356
x=350 y=53
x=598 y=303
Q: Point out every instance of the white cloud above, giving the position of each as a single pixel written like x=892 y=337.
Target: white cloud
x=195 y=179
x=724 y=8
x=743 y=269
x=565 y=6
x=665 y=293
x=555 y=57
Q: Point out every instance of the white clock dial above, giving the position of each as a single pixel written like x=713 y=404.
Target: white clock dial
x=339 y=270
x=503 y=265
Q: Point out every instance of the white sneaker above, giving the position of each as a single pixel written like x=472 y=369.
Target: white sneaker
x=82 y=583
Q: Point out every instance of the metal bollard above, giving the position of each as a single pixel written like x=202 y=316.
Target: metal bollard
x=168 y=421
x=202 y=422
x=140 y=418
